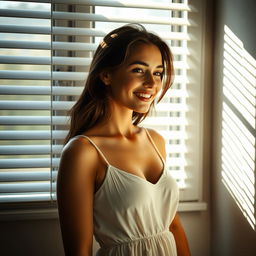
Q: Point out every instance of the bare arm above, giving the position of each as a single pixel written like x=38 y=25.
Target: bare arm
x=180 y=237
x=75 y=189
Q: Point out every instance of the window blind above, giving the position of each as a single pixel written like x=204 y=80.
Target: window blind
x=45 y=51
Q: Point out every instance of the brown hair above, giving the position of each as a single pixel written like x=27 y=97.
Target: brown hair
x=92 y=105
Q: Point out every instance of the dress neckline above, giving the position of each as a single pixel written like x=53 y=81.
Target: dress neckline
x=136 y=176
x=126 y=172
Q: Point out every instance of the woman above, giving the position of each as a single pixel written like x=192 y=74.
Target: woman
x=112 y=179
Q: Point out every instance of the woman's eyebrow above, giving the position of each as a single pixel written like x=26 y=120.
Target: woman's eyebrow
x=143 y=63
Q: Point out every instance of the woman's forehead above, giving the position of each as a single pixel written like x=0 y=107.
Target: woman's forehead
x=144 y=52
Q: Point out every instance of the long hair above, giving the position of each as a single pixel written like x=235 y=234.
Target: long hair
x=92 y=105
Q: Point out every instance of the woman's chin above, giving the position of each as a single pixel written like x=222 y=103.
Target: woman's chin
x=142 y=111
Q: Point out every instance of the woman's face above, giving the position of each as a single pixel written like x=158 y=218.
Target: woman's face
x=135 y=84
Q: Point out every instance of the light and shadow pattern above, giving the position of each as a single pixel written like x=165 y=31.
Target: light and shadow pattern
x=238 y=124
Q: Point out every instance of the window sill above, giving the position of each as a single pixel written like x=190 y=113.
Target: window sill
x=192 y=206
x=32 y=214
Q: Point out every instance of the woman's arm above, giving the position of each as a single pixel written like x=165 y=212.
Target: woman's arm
x=180 y=237
x=75 y=190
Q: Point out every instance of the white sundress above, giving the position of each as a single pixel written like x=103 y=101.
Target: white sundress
x=132 y=215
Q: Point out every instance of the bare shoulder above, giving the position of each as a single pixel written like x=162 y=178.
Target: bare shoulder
x=78 y=154
x=79 y=148
x=157 y=137
x=158 y=140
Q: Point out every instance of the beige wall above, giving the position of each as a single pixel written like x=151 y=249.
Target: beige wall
x=231 y=232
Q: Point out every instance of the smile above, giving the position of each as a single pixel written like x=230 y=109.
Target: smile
x=143 y=96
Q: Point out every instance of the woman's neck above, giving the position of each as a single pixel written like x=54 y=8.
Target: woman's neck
x=118 y=124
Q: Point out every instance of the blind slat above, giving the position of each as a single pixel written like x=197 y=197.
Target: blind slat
x=81 y=32
x=32 y=135
x=25 y=29
x=90 y=17
x=31 y=75
x=165 y=121
x=25 y=187
x=25 y=13
x=108 y=18
x=131 y=4
x=39 y=90
x=42 y=75
x=65 y=90
x=74 y=61
x=163 y=107
x=175 y=161
x=36 y=105
x=25 y=197
x=12 y=176
x=33 y=120
x=28 y=163
x=48 y=30
x=48 y=45
x=30 y=150
x=38 y=45
x=25 y=44
x=124 y=4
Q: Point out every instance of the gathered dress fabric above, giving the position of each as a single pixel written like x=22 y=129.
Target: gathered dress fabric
x=132 y=215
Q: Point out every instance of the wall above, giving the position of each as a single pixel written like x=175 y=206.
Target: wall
x=232 y=233
x=42 y=237
x=30 y=238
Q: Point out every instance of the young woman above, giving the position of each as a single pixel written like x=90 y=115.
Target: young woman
x=112 y=179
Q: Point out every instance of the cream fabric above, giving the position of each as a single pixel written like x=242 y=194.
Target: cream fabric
x=132 y=215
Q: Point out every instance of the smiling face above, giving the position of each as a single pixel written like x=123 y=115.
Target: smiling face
x=135 y=84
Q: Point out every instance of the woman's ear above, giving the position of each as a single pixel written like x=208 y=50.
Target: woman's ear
x=105 y=77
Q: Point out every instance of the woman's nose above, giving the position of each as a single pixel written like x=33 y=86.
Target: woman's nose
x=149 y=81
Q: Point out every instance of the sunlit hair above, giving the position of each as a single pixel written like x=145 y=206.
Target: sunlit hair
x=92 y=106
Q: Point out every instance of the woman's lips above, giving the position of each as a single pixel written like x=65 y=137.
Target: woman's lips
x=143 y=96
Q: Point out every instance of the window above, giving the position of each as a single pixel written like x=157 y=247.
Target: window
x=46 y=49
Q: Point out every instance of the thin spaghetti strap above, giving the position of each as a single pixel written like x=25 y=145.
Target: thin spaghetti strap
x=154 y=145
x=97 y=148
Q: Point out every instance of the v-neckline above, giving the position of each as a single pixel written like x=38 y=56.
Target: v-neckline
x=126 y=172
x=118 y=170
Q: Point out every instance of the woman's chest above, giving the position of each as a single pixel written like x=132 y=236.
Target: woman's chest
x=122 y=192
x=143 y=163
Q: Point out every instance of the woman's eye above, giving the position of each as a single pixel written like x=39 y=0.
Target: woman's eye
x=137 y=70
x=159 y=74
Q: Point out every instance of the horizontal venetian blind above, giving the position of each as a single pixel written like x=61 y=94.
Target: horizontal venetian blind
x=26 y=102
x=46 y=50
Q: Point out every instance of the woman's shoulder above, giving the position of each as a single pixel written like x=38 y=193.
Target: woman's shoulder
x=79 y=148
x=76 y=143
x=156 y=136
x=159 y=140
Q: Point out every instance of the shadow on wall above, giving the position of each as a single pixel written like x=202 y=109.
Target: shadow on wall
x=238 y=125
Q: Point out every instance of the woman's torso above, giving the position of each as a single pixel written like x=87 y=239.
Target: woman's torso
x=136 y=200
